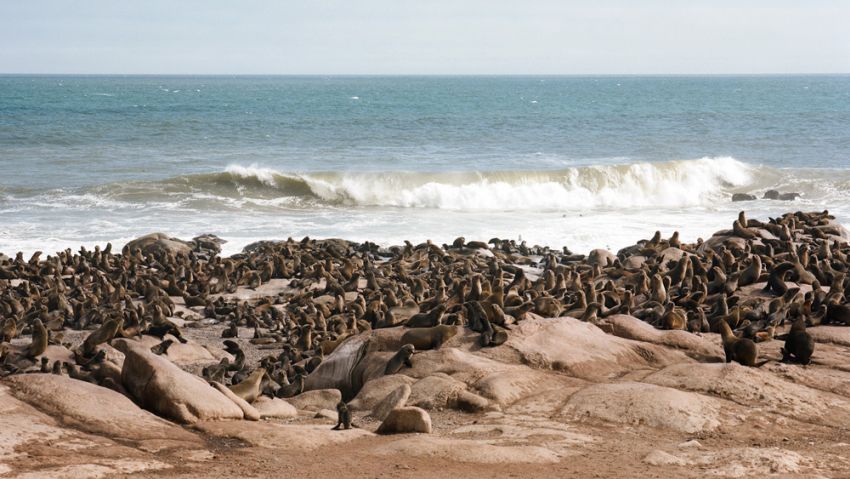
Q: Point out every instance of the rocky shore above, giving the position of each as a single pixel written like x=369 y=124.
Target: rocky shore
x=319 y=357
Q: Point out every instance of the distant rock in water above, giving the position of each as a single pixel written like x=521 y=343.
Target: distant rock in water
x=768 y=195
x=775 y=195
x=743 y=197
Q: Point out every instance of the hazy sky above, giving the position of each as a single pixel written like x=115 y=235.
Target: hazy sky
x=425 y=36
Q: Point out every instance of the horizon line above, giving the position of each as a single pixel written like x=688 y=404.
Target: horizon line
x=427 y=74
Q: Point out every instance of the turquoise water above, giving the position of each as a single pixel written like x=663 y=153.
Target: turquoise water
x=576 y=161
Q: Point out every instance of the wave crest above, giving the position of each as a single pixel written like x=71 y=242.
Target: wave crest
x=674 y=183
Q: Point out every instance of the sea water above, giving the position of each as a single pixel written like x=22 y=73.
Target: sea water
x=582 y=161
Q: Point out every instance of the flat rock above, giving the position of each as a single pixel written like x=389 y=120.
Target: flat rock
x=464 y=450
x=752 y=387
x=406 y=419
x=25 y=430
x=661 y=458
x=274 y=408
x=159 y=385
x=316 y=400
x=281 y=436
x=839 y=335
x=646 y=404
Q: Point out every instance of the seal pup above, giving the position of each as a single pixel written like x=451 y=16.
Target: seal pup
x=162 y=348
x=399 y=359
x=799 y=344
x=343 y=417
x=741 y=350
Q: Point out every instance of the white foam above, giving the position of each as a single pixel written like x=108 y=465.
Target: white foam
x=265 y=175
x=670 y=184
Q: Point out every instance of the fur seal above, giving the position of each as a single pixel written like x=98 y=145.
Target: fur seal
x=741 y=350
x=343 y=417
x=799 y=344
x=39 y=340
x=249 y=389
x=399 y=359
x=105 y=333
x=429 y=338
x=427 y=320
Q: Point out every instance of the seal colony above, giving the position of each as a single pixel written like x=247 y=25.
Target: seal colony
x=508 y=346
x=757 y=281
x=338 y=289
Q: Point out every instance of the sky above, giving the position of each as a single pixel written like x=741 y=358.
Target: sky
x=425 y=36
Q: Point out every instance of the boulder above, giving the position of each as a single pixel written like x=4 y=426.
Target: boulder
x=436 y=391
x=159 y=385
x=376 y=390
x=395 y=399
x=406 y=419
x=743 y=197
x=471 y=402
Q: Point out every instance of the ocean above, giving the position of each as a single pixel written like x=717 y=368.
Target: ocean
x=576 y=161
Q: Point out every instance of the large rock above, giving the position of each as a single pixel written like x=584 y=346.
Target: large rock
x=336 y=370
x=93 y=408
x=601 y=257
x=316 y=400
x=406 y=419
x=159 y=385
x=158 y=244
x=395 y=399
